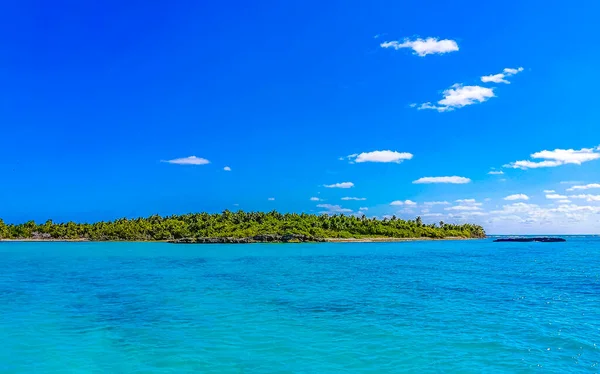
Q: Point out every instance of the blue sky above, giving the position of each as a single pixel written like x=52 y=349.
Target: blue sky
x=98 y=96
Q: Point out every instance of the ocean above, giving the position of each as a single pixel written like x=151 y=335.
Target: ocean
x=469 y=306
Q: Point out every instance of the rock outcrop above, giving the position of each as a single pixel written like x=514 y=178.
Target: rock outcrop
x=528 y=240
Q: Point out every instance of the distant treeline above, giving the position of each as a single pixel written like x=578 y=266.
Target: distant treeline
x=238 y=225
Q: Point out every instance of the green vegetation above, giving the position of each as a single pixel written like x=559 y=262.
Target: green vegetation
x=238 y=225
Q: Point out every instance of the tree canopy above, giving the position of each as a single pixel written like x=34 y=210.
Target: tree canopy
x=238 y=225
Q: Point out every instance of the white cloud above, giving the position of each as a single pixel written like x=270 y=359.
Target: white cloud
x=463 y=207
x=227 y=168
x=518 y=196
x=340 y=185
x=496 y=78
x=467 y=214
x=315 y=199
x=571 y=182
x=271 y=199
x=405 y=202
x=554 y=196
x=564 y=201
x=549 y=191
x=424 y=47
x=433 y=215
x=584 y=187
x=500 y=78
x=363 y=208
x=495 y=172
x=192 y=160
x=381 y=156
x=468 y=201
x=432 y=203
x=510 y=71
x=453 y=180
x=333 y=209
x=557 y=157
x=588 y=197
x=355 y=198
x=459 y=96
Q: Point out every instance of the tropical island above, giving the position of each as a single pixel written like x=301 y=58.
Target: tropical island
x=241 y=227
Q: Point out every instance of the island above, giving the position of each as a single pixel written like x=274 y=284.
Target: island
x=242 y=227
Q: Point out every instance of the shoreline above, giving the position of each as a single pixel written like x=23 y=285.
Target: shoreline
x=325 y=240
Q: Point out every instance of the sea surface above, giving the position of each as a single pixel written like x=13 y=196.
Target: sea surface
x=432 y=306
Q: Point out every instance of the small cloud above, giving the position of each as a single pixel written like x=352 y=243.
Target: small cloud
x=340 y=185
x=315 y=199
x=509 y=71
x=271 y=199
x=452 y=180
x=380 y=156
x=227 y=168
x=501 y=77
x=584 y=187
x=424 y=47
x=496 y=78
x=495 y=172
x=588 y=197
x=557 y=157
x=555 y=197
x=566 y=201
x=518 y=196
x=192 y=160
x=355 y=198
x=405 y=202
x=571 y=182
x=459 y=96
x=468 y=201
x=432 y=203
x=333 y=209
x=463 y=207
x=433 y=215
x=549 y=191
x=363 y=208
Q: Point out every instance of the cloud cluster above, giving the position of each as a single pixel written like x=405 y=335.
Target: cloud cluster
x=557 y=157
x=354 y=198
x=424 y=47
x=501 y=77
x=451 y=180
x=380 y=156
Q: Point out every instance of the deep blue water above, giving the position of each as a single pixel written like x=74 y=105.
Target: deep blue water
x=443 y=306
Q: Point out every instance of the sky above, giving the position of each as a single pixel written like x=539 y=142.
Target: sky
x=463 y=111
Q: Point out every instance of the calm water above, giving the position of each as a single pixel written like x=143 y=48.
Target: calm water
x=456 y=306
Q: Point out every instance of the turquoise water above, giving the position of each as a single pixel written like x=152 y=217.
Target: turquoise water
x=444 y=306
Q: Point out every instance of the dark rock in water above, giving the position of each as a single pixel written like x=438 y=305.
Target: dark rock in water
x=264 y=238
x=528 y=240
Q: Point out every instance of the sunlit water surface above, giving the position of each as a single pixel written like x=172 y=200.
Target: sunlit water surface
x=443 y=306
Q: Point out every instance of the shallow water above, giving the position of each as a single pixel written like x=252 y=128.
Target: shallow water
x=444 y=306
